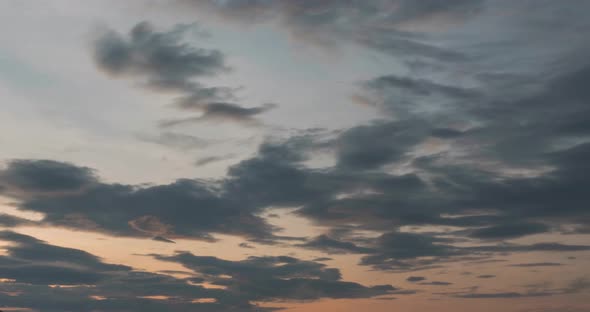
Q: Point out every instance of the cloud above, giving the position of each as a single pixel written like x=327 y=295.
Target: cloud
x=219 y=111
x=368 y=147
x=502 y=295
x=480 y=141
x=537 y=264
x=506 y=231
x=127 y=210
x=275 y=178
x=32 y=261
x=270 y=278
x=329 y=245
x=575 y=286
x=33 y=266
x=415 y=279
x=436 y=283
x=38 y=272
x=203 y=161
x=496 y=152
x=179 y=141
x=10 y=221
x=44 y=176
x=486 y=276
x=407 y=96
x=163 y=239
x=159 y=58
x=162 y=62
x=403 y=252
x=380 y=25
x=246 y=245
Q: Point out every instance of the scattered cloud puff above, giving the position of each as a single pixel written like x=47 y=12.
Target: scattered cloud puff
x=162 y=62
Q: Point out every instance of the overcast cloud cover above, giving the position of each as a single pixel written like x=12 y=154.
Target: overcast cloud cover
x=337 y=155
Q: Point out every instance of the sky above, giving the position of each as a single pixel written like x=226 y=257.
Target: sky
x=294 y=155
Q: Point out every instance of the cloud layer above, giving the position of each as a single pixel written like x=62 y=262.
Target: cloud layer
x=478 y=156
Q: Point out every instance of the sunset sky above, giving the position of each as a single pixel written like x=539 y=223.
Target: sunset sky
x=295 y=155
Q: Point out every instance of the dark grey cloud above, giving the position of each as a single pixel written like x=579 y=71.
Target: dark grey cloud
x=246 y=245
x=33 y=266
x=329 y=245
x=494 y=150
x=32 y=261
x=158 y=57
x=554 y=247
x=185 y=208
x=44 y=176
x=372 y=146
x=271 y=278
x=492 y=204
x=10 y=221
x=486 y=276
x=409 y=245
x=219 y=111
x=163 y=62
x=436 y=283
x=535 y=290
x=275 y=177
x=502 y=295
x=487 y=135
x=163 y=239
x=506 y=231
x=402 y=252
x=415 y=279
x=404 y=96
x=409 y=252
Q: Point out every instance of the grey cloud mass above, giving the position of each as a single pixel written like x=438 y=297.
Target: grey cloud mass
x=33 y=266
x=265 y=278
x=44 y=176
x=128 y=210
x=160 y=58
x=476 y=155
x=285 y=183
